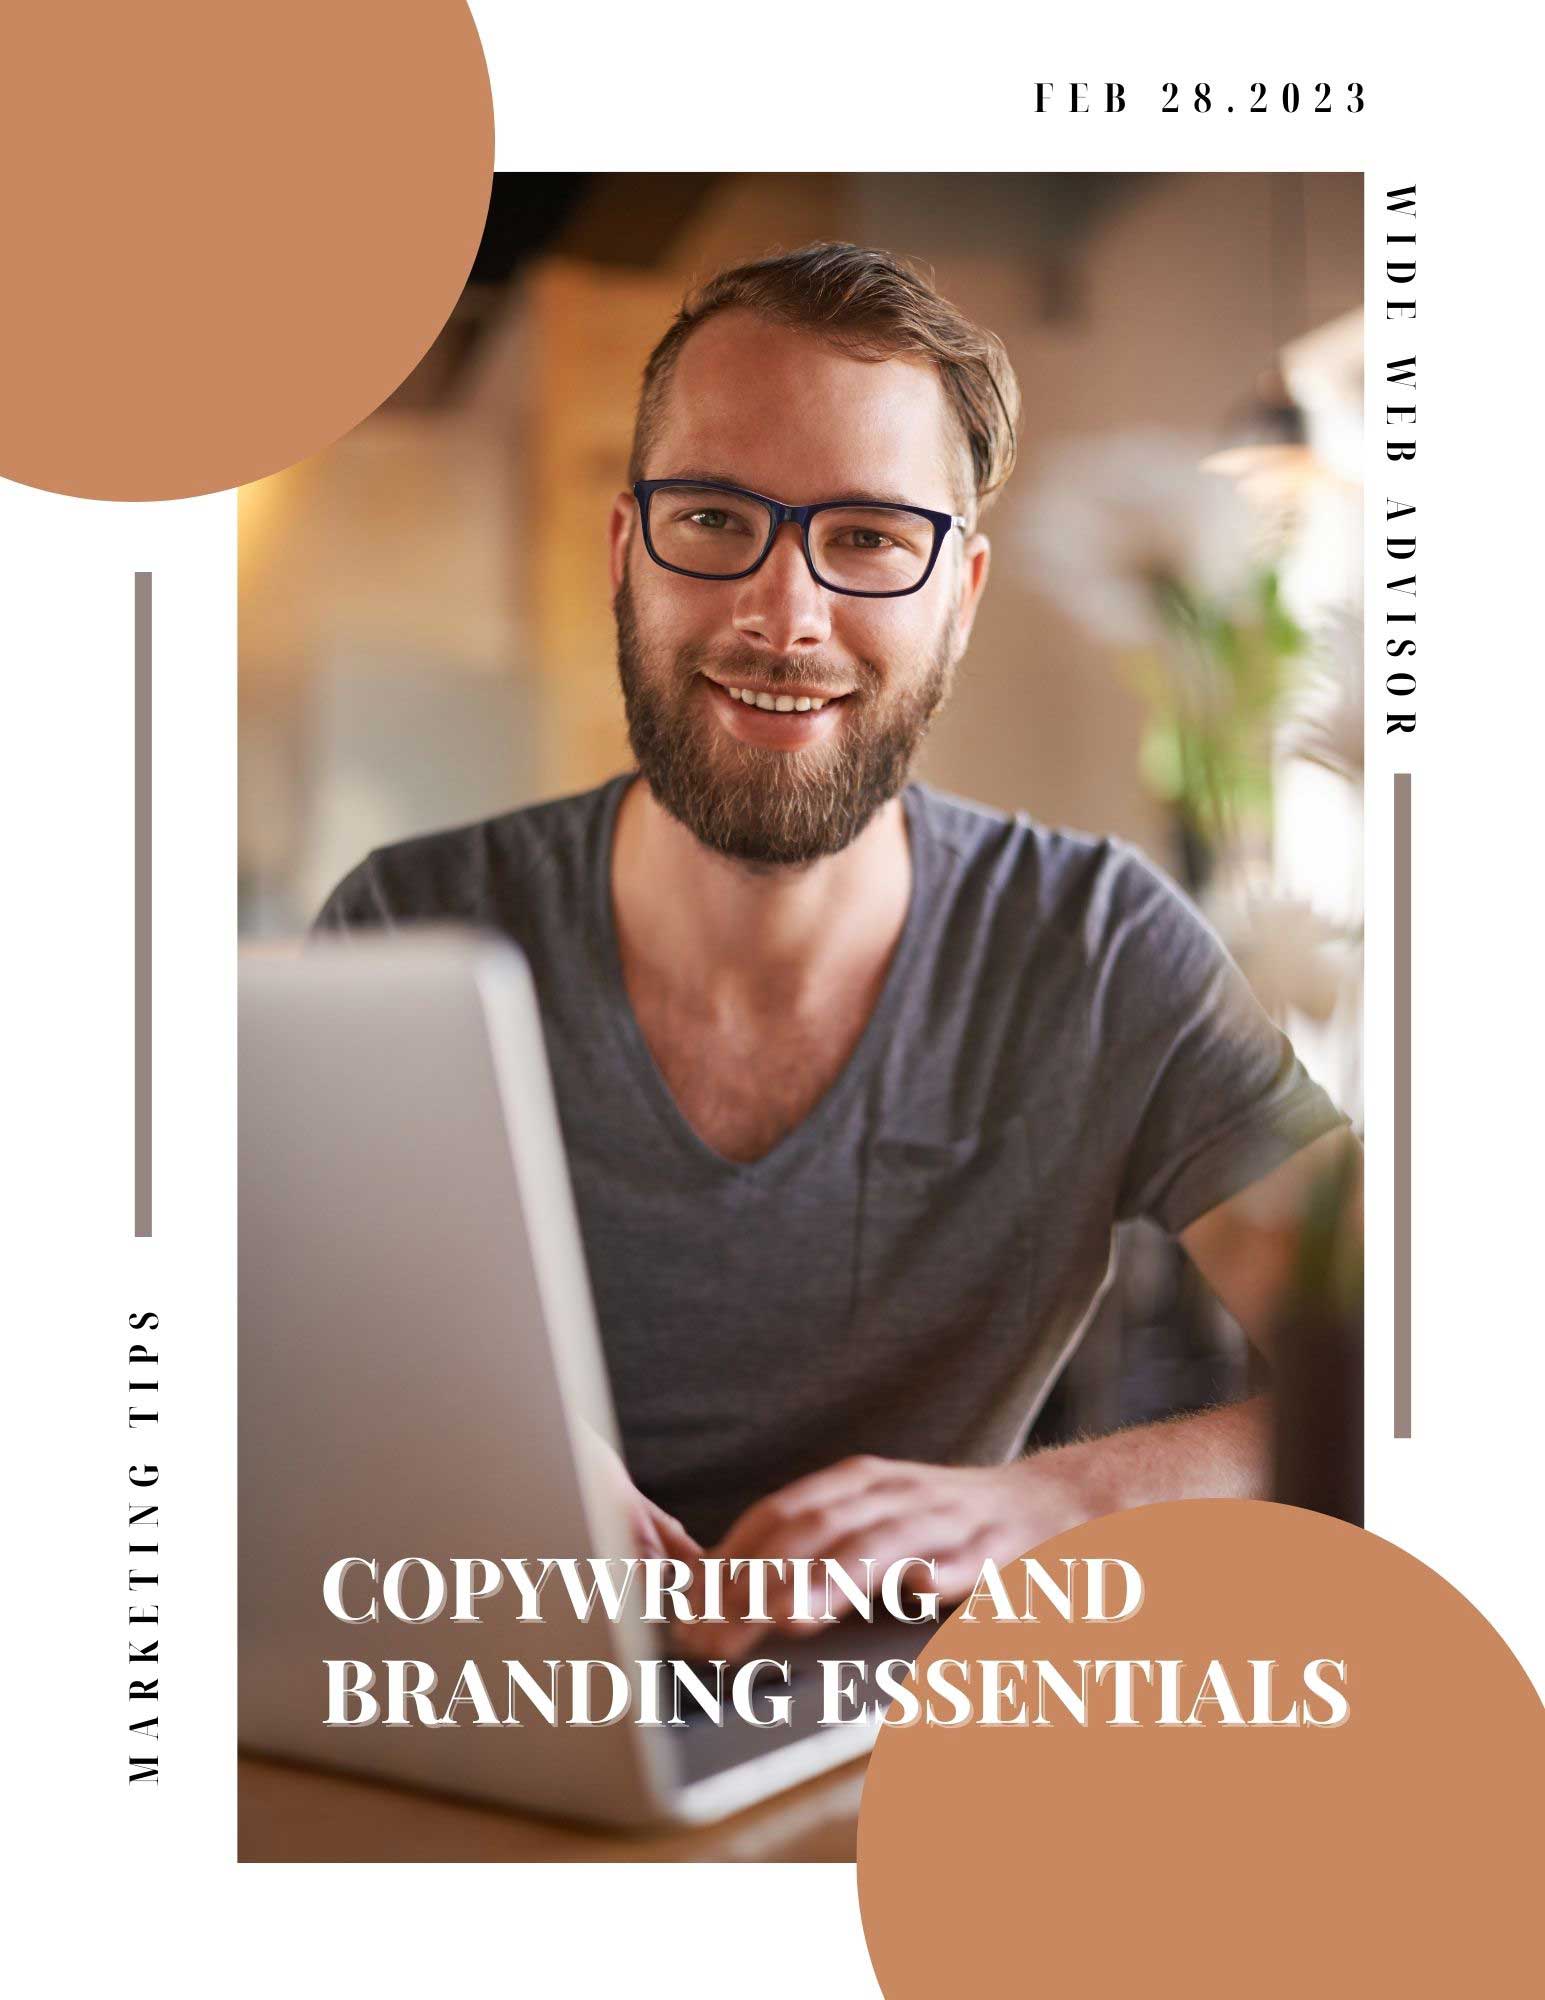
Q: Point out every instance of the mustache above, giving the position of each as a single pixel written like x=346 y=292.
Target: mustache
x=809 y=669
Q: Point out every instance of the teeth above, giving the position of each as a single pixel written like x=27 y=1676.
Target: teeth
x=781 y=704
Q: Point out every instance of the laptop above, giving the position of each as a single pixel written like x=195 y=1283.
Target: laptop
x=422 y=1377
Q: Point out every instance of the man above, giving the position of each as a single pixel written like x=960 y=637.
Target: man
x=856 y=1078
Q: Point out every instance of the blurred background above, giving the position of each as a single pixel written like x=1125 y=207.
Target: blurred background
x=1169 y=648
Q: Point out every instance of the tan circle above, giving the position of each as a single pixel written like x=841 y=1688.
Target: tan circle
x=1396 y=1853
x=231 y=230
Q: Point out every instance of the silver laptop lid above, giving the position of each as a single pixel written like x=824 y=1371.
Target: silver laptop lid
x=421 y=1373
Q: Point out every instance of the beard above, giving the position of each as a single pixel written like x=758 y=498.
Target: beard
x=771 y=808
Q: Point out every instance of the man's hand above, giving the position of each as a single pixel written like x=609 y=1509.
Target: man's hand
x=651 y=1530
x=886 y=1510
x=656 y=1533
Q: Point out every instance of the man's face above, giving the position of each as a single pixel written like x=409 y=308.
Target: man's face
x=782 y=413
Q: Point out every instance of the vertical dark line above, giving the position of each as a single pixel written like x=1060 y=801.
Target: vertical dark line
x=142 y=878
x=1402 y=1126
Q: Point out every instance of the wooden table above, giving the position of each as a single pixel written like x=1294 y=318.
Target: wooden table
x=286 y=1813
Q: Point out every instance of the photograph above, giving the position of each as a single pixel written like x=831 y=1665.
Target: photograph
x=800 y=873
x=781 y=1119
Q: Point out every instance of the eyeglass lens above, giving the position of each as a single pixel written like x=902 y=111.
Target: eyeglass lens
x=854 y=548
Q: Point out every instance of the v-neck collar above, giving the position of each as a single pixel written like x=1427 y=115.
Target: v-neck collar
x=808 y=1132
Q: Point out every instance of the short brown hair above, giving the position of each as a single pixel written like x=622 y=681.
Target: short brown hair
x=874 y=306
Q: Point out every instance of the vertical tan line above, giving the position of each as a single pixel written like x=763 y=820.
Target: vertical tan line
x=142 y=878
x=1402 y=1125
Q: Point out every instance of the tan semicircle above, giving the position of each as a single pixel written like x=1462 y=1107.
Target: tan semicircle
x=231 y=230
x=1398 y=1853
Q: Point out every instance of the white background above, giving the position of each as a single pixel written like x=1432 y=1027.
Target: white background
x=142 y=1886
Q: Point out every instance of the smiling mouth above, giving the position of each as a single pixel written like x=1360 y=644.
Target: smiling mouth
x=783 y=701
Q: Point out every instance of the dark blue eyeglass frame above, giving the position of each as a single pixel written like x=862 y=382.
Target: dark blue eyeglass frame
x=777 y=513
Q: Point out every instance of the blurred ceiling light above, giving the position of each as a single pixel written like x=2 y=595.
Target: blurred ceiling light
x=1266 y=445
x=1266 y=442
x=1324 y=374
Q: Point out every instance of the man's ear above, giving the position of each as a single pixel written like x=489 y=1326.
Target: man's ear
x=975 y=561
x=619 y=533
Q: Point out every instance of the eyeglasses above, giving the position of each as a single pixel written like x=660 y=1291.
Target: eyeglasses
x=859 y=548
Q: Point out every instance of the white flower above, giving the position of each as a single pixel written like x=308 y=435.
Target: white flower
x=1291 y=954
x=1117 y=517
x=1328 y=729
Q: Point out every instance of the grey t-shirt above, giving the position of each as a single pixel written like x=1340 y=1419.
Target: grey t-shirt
x=1061 y=1043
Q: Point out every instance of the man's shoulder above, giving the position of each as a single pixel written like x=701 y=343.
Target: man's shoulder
x=459 y=871
x=1057 y=874
x=521 y=838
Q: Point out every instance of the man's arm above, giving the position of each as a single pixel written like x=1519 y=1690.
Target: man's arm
x=884 y=1510
x=1247 y=1248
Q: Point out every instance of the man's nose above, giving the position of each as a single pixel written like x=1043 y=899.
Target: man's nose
x=781 y=604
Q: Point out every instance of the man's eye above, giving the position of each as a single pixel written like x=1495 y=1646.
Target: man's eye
x=714 y=520
x=862 y=541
